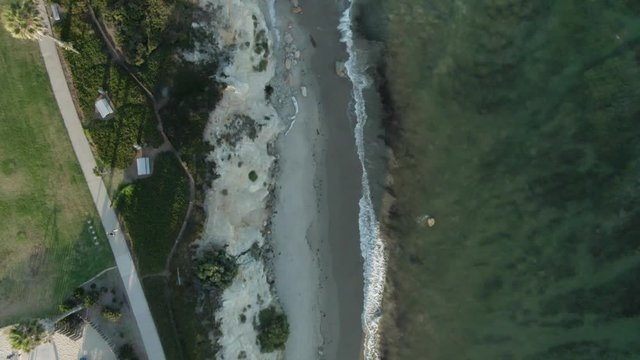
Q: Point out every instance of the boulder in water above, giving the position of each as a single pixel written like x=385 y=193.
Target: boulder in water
x=341 y=70
x=426 y=220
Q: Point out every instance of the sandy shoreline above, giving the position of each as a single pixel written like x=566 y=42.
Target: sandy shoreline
x=309 y=237
x=318 y=265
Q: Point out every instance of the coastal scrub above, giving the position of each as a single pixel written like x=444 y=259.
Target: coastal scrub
x=273 y=329
x=216 y=269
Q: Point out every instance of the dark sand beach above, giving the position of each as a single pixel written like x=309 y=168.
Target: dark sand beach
x=342 y=186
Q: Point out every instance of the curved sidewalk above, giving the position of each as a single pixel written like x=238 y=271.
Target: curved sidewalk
x=81 y=147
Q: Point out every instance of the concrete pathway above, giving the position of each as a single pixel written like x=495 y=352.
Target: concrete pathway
x=81 y=147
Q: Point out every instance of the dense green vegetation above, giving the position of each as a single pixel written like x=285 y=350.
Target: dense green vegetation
x=216 y=268
x=155 y=292
x=273 y=329
x=150 y=34
x=516 y=126
x=110 y=313
x=126 y=352
x=153 y=210
x=138 y=25
x=46 y=243
x=193 y=316
x=94 y=70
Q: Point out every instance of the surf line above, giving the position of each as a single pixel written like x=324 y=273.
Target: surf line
x=371 y=244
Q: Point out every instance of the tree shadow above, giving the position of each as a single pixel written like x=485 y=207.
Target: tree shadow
x=65 y=25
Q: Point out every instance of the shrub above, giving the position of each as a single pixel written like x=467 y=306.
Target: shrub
x=68 y=304
x=253 y=176
x=126 y=352
x=111 y=314
x=216 y=269
x=273 y=329
x=63 y=308
x=26 y=335
x=78 y=294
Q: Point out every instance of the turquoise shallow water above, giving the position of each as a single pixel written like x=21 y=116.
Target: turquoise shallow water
x=516 y=124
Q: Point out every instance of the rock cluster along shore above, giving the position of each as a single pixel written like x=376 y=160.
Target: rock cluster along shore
x=291 y=51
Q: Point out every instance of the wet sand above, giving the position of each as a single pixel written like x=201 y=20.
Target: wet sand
x=318 y=266
x=344 y=302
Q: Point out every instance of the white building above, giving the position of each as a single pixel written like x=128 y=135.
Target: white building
x=104 y=108
x=55 y=12
x=144 y=166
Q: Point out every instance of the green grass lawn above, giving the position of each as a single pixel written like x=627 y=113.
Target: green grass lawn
x=46 y=248
x=154 y=289
x=153 y=210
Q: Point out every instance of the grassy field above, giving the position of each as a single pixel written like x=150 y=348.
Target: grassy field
x=153 y=210
x=46 y=248
x=154 y=289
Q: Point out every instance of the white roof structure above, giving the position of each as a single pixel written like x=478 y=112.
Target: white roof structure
x=55 y=11
x=104 y=108
x=144 y=168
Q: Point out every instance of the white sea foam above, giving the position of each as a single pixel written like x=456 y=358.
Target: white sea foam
x=371 y=244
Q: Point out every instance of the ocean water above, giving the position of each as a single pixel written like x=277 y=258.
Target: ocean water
x=516 y=125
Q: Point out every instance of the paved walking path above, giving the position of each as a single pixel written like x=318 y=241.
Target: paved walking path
x=100 y=196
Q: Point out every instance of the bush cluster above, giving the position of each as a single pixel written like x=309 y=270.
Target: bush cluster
x=82 y=296
x=139 y=25
x=273 y=329
x=111 y=314
x=126 y=352
x=216 y=269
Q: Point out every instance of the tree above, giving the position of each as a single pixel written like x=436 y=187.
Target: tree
x=22 y=20
x=273 y=329
x=216 y=269
x=26 y=335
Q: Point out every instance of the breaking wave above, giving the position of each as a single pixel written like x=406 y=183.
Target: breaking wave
x=371 y=244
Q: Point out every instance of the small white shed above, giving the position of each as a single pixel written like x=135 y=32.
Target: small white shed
x=144 y=167
x=55 y=12
x=103 y=107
